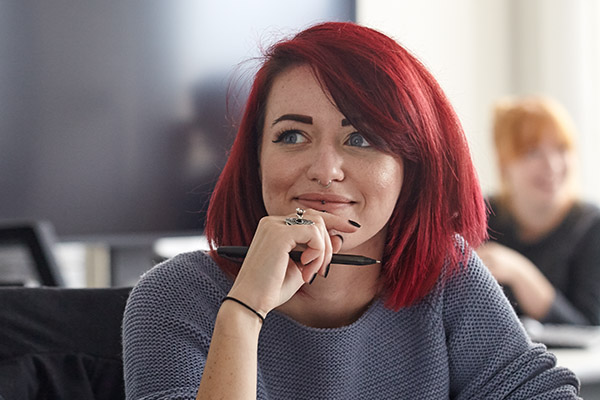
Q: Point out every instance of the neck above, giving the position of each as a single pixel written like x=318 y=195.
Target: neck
x=346 y=293
x=335 y=301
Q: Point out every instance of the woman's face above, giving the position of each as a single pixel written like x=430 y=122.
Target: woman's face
x=541 y=175
x=306 y=140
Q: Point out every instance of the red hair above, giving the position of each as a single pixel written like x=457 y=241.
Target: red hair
x=390 y=97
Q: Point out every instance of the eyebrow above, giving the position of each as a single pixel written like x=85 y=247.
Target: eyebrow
x=294 y=117
x=305 y=119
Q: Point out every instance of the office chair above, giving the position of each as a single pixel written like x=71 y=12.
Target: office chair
x=26 y=256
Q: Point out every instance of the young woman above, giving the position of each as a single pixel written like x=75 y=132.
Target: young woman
x=545 y=247
x=347 y=145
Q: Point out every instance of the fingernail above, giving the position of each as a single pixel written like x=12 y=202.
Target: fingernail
x=312 y=279
x=341 y=237
x=356 y=224
x=327 y=270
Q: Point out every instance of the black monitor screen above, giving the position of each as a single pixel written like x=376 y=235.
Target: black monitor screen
x=113 y=116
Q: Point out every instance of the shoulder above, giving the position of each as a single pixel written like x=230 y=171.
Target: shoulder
x=470 y=277
x=195 y=267
x=467 y=287
x=586 y=211
x=582 y=222
x=168 y=323
x=493 y=201
x=172 y=283
x=469 y=292
x=500 y=220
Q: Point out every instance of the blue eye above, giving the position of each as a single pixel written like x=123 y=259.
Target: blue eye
x=290 y=137
x=357 y=140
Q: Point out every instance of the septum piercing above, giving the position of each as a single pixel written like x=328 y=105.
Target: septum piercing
x=325 y=186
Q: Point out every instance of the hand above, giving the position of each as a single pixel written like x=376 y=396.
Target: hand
x=503 y=262
x=532 y=290
x=268 y=277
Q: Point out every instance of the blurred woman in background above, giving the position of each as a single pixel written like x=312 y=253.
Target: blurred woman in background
x=544 y=243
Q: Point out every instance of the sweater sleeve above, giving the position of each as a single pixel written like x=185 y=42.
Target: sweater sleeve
x=167 y=325
x=490 y=354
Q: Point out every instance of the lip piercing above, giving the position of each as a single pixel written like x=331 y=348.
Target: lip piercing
x=325 y=186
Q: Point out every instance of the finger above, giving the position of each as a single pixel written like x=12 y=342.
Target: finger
x=314 y=256
x=328 y=249
x=337 y=241
x=338 y=223
x=310 y=237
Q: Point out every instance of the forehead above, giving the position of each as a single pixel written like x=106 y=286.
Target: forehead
x=298 y=90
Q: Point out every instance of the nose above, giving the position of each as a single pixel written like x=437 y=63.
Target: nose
x=326 y=165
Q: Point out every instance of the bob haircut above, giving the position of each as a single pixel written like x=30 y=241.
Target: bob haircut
x=391 y=98
x=521 y=123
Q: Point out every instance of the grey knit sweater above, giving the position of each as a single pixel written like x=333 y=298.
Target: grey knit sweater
x=463 y=341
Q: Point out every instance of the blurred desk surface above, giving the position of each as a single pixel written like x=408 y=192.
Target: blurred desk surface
x=584 y=362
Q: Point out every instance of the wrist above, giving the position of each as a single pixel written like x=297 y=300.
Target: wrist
x=259 y=315
x=237 y=321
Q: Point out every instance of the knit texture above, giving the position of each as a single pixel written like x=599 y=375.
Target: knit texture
x=463 y=341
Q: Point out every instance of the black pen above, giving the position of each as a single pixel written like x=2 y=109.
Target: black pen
x=239 y=252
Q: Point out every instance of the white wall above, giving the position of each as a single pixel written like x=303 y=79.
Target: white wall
x=480 y=50
x=558 y=53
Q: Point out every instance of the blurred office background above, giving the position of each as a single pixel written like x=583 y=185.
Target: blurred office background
x=113 y=117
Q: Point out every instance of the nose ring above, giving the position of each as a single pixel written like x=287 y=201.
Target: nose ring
x=325 y=186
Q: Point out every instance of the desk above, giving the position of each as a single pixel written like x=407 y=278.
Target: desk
x=585 y=363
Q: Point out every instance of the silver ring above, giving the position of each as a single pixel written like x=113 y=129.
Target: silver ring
x=298 y=220
x=325 y=186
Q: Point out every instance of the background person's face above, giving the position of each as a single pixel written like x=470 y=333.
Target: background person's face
x=541 y=175
x=306 y=139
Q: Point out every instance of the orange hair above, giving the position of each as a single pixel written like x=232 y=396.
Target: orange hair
x=520 y=124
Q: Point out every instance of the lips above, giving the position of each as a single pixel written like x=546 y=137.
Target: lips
x=324 y=201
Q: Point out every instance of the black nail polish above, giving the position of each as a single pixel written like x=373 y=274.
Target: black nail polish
x=327 y=270
x=354 y=223
x=341 y=238
x=312 y=279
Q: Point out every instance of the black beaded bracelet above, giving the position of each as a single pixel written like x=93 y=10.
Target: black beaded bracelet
x=262 y=319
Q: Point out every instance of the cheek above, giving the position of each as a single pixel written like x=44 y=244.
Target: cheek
x=386 y=183
x=519 y=172
x=566 y=165
x=276 y=180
